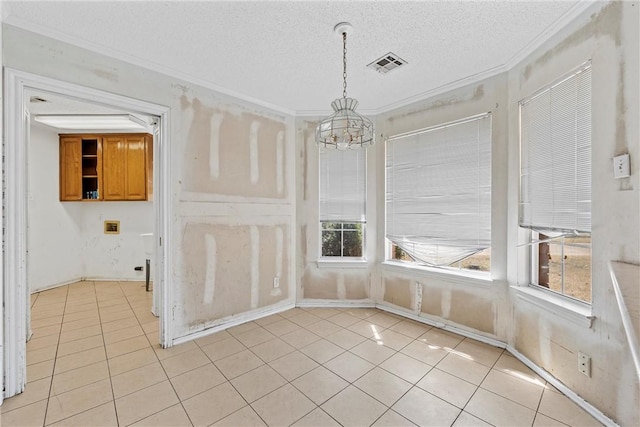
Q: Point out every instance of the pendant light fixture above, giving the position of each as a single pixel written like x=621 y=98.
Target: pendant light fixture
x=345 y=129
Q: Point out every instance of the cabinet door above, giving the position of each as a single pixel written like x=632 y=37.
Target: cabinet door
x=70 y=168
x=136 y=177
x=113 y=167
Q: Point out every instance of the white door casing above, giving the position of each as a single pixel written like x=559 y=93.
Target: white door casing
x=13 y=280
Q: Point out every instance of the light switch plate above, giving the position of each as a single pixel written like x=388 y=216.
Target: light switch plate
x=621 y=166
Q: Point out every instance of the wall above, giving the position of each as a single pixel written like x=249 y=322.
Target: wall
x=609 y=38
x=475 y=304
x=329 y=281
x=231 y=182
x=221 y=207
x=545 y=333
x=66 y=240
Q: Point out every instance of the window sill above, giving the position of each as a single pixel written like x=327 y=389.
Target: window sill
x=342 y=263
x=456 y=276
x=578 y=313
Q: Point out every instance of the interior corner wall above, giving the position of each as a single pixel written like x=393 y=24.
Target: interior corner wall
x=328 y=283
x=232 y=182
x=449 y=299
x=608 y=37
x=54 y=235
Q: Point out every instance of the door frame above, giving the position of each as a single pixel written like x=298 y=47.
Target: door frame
x=14 y=282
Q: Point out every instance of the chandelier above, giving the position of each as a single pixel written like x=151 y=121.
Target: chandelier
x=345 y=129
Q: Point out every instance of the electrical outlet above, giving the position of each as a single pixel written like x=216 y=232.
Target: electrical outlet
x=584 y=364
x=276 y=282
x=621 y=166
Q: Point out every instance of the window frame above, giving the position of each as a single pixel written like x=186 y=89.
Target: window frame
x=534 y=270
x=343 y=261
x=342 y=231
x=529 y=288
x=468 y=275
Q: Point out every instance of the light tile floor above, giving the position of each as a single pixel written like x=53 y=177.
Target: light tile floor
x=94 y=360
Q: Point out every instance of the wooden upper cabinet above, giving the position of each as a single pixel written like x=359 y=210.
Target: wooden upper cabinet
x=107 y=167
x=135 y=187
x=114 y=158
x=70 y=168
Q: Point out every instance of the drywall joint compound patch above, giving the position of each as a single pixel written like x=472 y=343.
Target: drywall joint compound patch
x=210 y=275
x=214 y=146
x=253 y=152
x=280 y=162
x=417 y=303
x=255 y=266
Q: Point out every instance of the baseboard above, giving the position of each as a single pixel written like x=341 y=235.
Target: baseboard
x=57 y=285
x=329 y=303
x=88 y=279
x=592 y=410
x=440 y=325
x=235 y=321
x=119 y=279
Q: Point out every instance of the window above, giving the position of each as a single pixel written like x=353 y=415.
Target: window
x=555 y=184
x=342 y=203
x=438 y=195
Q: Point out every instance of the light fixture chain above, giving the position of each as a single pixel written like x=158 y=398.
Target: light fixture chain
x=344 y=65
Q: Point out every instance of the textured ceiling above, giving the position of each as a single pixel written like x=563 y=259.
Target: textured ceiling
x=285 y=54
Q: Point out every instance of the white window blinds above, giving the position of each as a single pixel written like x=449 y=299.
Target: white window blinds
x=555 y=193
x=438 y=196
x=342 y=185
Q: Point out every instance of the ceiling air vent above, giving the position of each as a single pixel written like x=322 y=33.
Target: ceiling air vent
x=386 y=63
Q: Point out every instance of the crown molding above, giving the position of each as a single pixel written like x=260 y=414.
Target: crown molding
x=581 y=7
x=131 y=59
x=456 y=84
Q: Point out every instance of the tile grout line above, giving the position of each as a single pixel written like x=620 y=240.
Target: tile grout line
x=290 y=382
x=228 y=380
x=157 y=358
x=106 y=360
x=350 y=383
x=113 y=395
x=478 y=387
x=389 y=407
x=161 y=365
x=55 y=360
x=479 y=356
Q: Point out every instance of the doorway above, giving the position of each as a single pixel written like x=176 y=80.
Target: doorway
x=16 y=286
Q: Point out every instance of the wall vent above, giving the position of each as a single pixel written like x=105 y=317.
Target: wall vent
x=386 y=63
x=111 y=227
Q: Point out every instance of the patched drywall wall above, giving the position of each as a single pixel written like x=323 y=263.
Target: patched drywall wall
x=224 y=144
x=609 y=38
x=477 y=305
x=335 y=283
x=66 y=240
x=456 y=302
x=402 y=293
x=233 y=268
x=230 y=162
x=329 y=279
